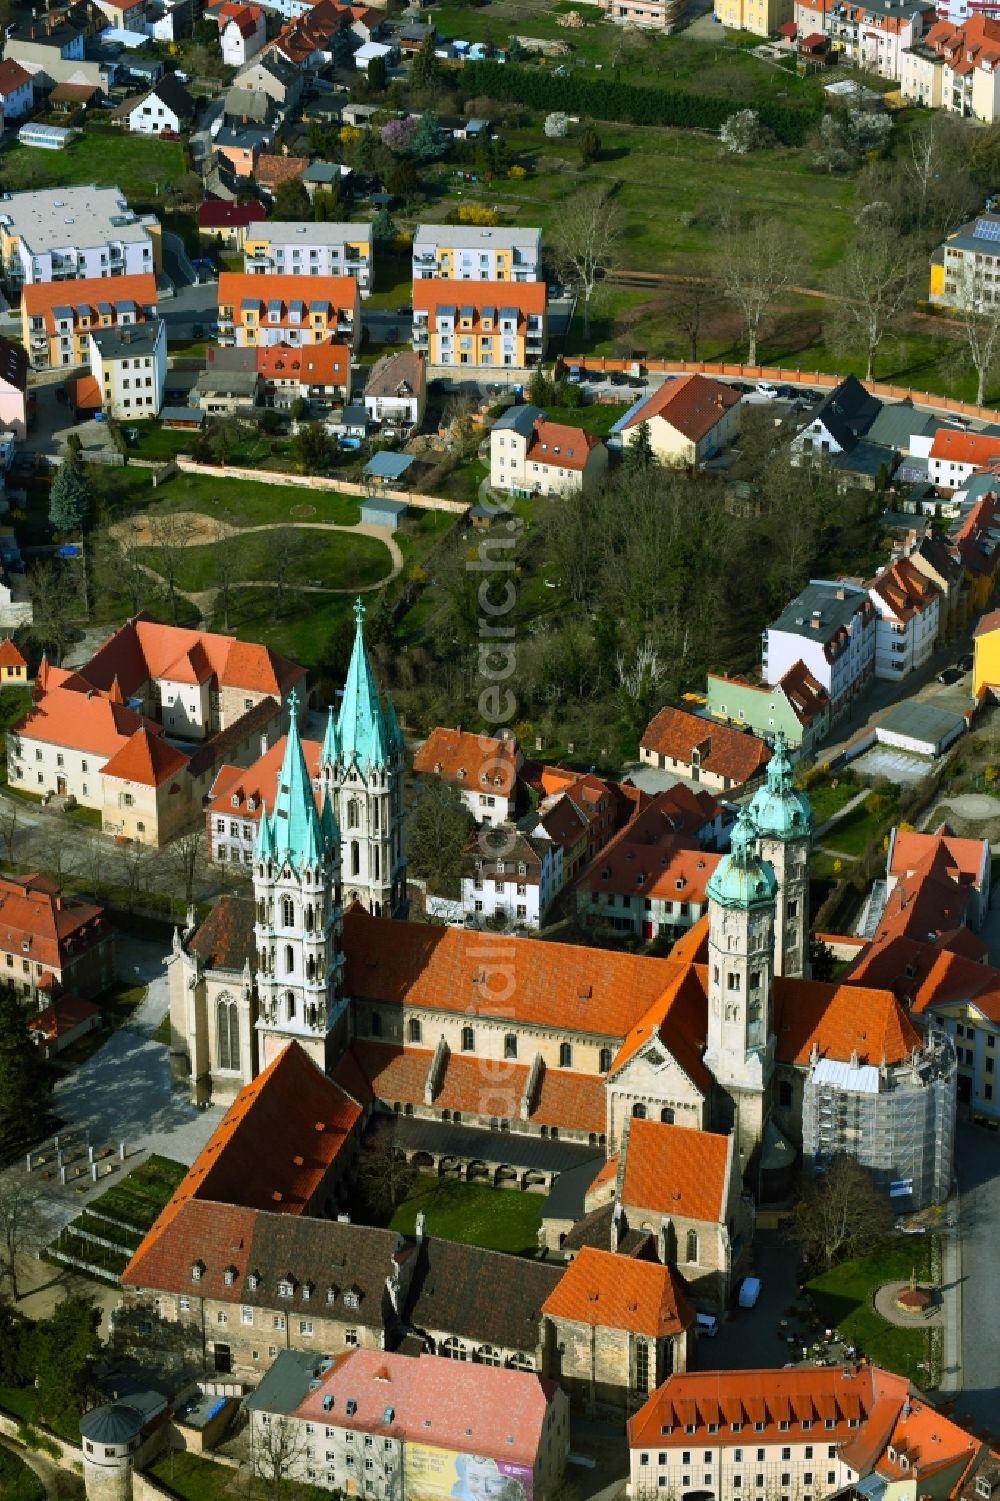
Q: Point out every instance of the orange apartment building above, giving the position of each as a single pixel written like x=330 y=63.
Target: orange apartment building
x=258 y=311
x=491 y=324
x=57 y=318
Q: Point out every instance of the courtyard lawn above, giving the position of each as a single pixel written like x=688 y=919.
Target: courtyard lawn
x=142 y=166
x=599 y=417
x=856 y=829
x=499 y=1219
x=138 y=1197
x=328 y=560
x=234 y=501
x=844 y=1297
x=191 y=1477
x=827 y=798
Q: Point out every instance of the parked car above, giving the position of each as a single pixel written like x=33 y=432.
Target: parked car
x=170 y=135
x=967 y=662
x=575 y=375
x=749 y=1291
x=950 y=675
x=349 y=443
x=765 y=388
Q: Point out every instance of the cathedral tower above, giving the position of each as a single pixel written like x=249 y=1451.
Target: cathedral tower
x=742 y=892
x=361 y=766
x=299 y=911
x=783 y=819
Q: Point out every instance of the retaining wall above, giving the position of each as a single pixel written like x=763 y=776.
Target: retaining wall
x=318 y=482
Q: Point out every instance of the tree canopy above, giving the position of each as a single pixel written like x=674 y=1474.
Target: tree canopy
x=70 y=499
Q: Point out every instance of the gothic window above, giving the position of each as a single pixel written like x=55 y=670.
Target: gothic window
x=227 y=1023
x=692 y=1246
x=604 y=1062
x=755 y=979
x=414 y=1029
x=309 y=919
x=667 y=1115
x=290 y=1005
x=791 y=909
x=287 y=912
x=353 y=812
x=289 y=959
x=355 y=857
x=375 y=866
x=641 y=1365
x=638 y=1111
x=487 y=1355
x=510 y=1045
x=565 y=1055
x=468 y=1040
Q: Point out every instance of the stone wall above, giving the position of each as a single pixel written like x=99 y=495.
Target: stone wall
x=318 y=482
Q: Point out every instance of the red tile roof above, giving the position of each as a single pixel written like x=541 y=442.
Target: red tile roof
x=692 y=405
x=334 y=292
x=218 y=213
x=966 y=861
x=725 y=752
x=39 y=298
x=676 y=1170
x=142 y=650
x=12 y=77
x=904 y=590
x=34 y=912
x=557 y=443
x=607 y=1291
x=478 y=762
x=326 y=364
x=678 y=1019
x=434 y=292
x=840 y=1021
x=10 y=656
x=85 y=721
x=596 y=991
x=649 y=858
x=964 y=448
x=272 y=171
x=62 y=1016
x=147 y=759
x=257 y=783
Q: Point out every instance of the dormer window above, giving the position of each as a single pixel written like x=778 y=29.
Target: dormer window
x=197 y=1270
x=286 y=1287
x=235 y=799
x=251 y=805
x=331 y=1294
x=460 y=773
x=253 y=1281
x=307 y=1291
x=983 y=1487
x=352 y=1298
x=229 y=1276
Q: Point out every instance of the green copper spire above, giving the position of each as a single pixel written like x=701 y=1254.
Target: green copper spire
x=742 y=878
x=265 y=841
x=296 y=830
x=331 y=741
x=328 y=820
x=777 y=808
x=361 y=727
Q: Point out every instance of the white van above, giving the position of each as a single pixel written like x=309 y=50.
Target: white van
x=749 y=1292
x=708 y=1325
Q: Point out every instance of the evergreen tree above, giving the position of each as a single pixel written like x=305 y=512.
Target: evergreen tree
x=428 y=143
x=24 y=1083
x=291 y=201
x=590 y=145
x=325 y=207
x=376 y=75
x=64 y=1348
x=425 y=74
x=383 y=227
x=402 y=181
x=539 y=388
x=70 y=498
x=639 y=453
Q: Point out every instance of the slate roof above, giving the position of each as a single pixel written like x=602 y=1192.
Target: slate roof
x=486 y=1296
x=225 y=940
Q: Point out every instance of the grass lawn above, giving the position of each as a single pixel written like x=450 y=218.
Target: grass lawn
x=141 y=1194
x=827 y=799
x=844 y=1297
x=142 y=166
x=193 y=1478
x=112 y=1262
x=17 y=1482
x=501 y=1219
x=852 y=834
x=300 y=632
x=331 y=560
x=598 y=417
x=231 y=500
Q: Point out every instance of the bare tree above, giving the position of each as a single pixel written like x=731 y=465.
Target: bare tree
x=53 y=606
x=585 y=240
x=139 y=1329
x=688 y=302
x=874 y=284
x=8 y=829
x=130 y=574
x=384 y=1175
x=22 y=1227
x=277 y=1448
x=284 y=549
x=132 y=863
x=756 y=264
x=979 y=309
x=169 y=533
x=226 y=571
x=186 y=859
x=51 y=852
x=841 y=1214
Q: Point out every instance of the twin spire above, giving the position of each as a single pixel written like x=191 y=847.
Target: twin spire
x=363 y=733
x=295 y=831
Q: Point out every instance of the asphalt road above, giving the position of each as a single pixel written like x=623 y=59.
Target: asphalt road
x=978 y=1162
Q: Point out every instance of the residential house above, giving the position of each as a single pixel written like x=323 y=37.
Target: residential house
x=13 y=666
x=395 y=394
x=840 y=420
x=796 y=706
x=239 y=148
x=125 y=15
x=319 y=374
x=307 y=249
x=761 y=17
x=907 y=625
x=688 y=420
x=486 y=324
x=167 y=106
x=955 y=455
x=242 y=31
x=51 y=943
x=235 y=799
x=650 y=880
x=467 y=252
x=931 y=554
x=377 y=1410
x=964 y=862
x=713 y=754
x=658 y=15
x=13 y=388
x=966 y=266
x=291 y=310
x=61 y=1023
x=57 y=321
x=484 y=768
x=271 y=171
x=621 y=1327
x=272 y=76
x=954 y=67
x=129 y=364
x=73 y=233
x=16 y=90
x=325 y=177
x=516 y=885
x=830 y=627
x=874 y=35
x=808 y=1430
x=529 y=455
x=225 y=391
x=51 y=50
x=225 y=223
x=581 y=812
x=328 y=35
x=976 y=542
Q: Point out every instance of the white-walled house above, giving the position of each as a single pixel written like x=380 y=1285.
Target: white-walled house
x=517 y=884
x=396 y=392
x=242 y=32
x=16 y=90
x=830 y=626
x=531 y=456
x=73 y=233
x=167 y=106
x=129 y=364
x=688 y=420
x=908 y=608
x=484 y=768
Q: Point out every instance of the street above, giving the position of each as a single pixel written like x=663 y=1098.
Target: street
x=978 y=1163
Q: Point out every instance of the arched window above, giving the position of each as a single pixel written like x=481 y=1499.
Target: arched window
x=521 y=1362
x=290 y=1005
x=667 y=1115
x=565 y=1055
x=289 y=959
x=309 y=919
x=510 y=1045
x=486 y=1355
x=604 y=1062
x=227 y=1023
x=638 y=1111
x=468 y=1040
x=450 y=1349
x=355 y=857
x=692 y=1246
x=353 y=812
x=287 y=912
x=413 y=1029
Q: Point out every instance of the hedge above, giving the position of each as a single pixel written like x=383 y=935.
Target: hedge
x=603 y=99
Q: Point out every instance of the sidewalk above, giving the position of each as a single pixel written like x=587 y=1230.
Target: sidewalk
x=951 y=1301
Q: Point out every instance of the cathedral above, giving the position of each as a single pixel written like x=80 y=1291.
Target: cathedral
x=515 y=1037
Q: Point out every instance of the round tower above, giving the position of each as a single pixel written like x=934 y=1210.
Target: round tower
x=783 y=819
